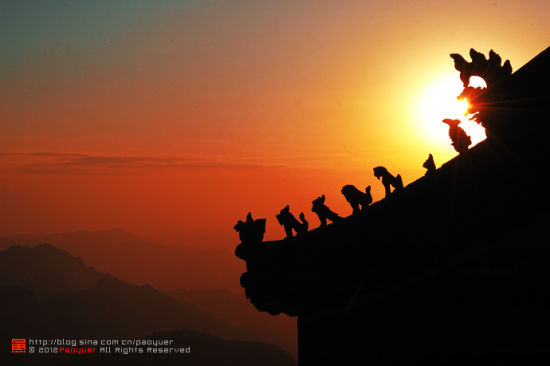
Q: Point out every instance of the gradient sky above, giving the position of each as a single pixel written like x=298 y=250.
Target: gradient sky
x=176 y=118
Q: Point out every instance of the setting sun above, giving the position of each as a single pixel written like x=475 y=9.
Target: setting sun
x=439 y=102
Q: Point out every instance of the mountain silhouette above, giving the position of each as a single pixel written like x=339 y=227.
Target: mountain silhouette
x=45 y=270
x=236 y=311
x=452 y=269
x=206 y=350
x=125 y=255
x=79 y=238
x=46 y=292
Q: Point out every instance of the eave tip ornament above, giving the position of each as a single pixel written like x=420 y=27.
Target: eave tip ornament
x=491 y=70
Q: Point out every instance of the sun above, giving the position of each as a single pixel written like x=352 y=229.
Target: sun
x=439 y=102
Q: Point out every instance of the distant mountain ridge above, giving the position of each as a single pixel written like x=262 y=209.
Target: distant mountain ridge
x=48 y=292
x=234 y=309
x=43 y=269
x=205 y=350
x=140 y=261
x=136 y=260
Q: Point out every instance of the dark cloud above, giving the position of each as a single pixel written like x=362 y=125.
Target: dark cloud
x=68 y=163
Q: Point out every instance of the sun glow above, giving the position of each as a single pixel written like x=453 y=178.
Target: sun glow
x=439 y=102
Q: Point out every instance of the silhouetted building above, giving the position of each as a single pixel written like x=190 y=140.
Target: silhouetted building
x=453 y=271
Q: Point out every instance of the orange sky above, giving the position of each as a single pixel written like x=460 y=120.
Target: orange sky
x=176 y=119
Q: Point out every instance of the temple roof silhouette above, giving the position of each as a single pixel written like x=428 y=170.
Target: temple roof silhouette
x=461 y=254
